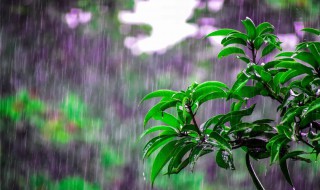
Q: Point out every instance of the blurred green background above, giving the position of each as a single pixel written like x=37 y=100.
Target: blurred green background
x=73 y=73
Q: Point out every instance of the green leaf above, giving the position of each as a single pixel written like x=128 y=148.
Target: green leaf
x=158 y=128
x=264 y=28
x=242 y=80
x=155 y=143
x=159 y=93
x=268 y=49
x=307 y=58
x=292 y=155
x=235 y=116
x=250 y=28
x=248 y=91
x=312 y=31
x=194 y=155
x=286 y=54
x=155 y=109
x=230 y=50
x=263 y=121
x=167 y=119
x=284 y=167
x=205 y=91
x=295 y=66
x=258 y=43
x=276 y=148
x=244 y=59
x=289 y=75
x=176 y=164
x=313 y=106
x=160 y=107
x=265 y=76
x=224 y=144
x=253 y=175
x=243 y=36
x=315 y=50
x=212 y=96
x=190 y=127
x=211 y=121
x=234 y=41
x=211 y=84
x=221 y=32
x=164 y=155
x=224 y=160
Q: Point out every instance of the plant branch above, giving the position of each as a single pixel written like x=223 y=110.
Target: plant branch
x=305 y=142
x=194 y=119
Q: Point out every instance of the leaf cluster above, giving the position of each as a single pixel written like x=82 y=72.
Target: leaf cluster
x=291 y=78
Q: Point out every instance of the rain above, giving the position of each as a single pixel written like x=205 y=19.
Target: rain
x=73 y=74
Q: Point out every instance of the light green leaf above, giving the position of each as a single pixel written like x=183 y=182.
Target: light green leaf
x=159 y=93
x=234 y=41
x=167 y=119
x=211 y=84
x=264 y=28
x=230 y=50
x=158 y=128
x=221 y=32
x=211 y=96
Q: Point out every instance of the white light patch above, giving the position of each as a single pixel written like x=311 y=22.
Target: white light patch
x=167 y=19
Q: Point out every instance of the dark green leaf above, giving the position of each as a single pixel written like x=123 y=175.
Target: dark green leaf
x=253 y=175
x=315 y=50
x=155 y=143
x=244 y=59
x=224 y=144
x=268 y=49
x=265 y=76
x=176 y=163
x=307 y=58
x=224 y=160
x=250 y=28
x=276 y=148
x=211 y=121
x=164 y=155
x=235 y=116
x=258 y=43
x=312 y=31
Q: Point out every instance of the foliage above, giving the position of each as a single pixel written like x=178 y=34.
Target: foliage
x=292 y=79
x=42 y=182
x=59 y=125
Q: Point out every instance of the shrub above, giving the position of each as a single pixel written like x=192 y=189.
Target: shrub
x=182 y=140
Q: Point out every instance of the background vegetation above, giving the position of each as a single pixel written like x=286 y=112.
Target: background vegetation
x=69 y=96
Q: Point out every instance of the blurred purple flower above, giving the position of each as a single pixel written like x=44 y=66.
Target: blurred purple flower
x=206 y=21
x=215 y=5
x=298 y=26
x=77 y=16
